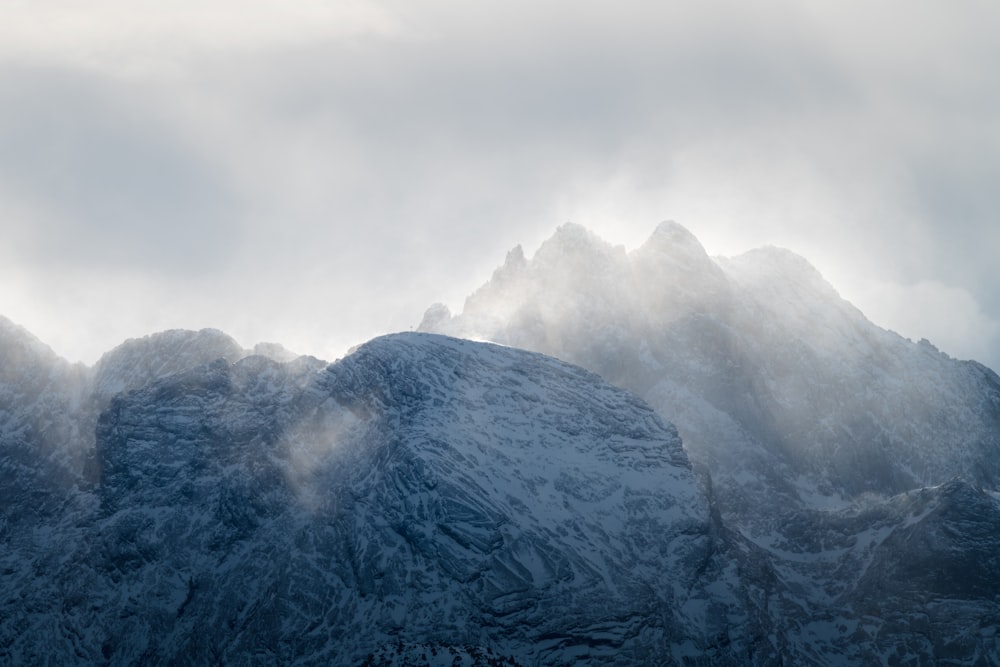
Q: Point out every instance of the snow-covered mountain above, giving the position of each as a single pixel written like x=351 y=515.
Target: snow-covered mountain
x=424 y=496
x=818 y=430
x=829 y=495
x=756 y=359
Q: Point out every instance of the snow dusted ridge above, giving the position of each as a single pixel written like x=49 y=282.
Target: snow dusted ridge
x=424 y=492
x=815 y=426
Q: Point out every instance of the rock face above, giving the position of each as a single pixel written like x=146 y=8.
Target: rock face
x=815 y=426
x=426 y=494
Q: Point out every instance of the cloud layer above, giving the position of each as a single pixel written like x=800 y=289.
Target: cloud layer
x=318 y=174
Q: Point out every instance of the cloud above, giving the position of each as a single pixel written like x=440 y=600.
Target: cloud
x=99 y=179
x=337 y=167
x=148 y=40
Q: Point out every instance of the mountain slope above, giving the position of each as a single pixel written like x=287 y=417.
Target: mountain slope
x=423 y=492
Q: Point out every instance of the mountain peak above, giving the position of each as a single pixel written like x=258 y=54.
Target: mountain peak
x=15 y=337
x=779 y=268
x=673 y=257
x=137 y=361
x=674 y=233
x=674 y=240
x=513 y=265
x=570 y=230
x=573 y=241
x=515 y=257
x=435 y=318
x=774 y=259
x=274 y=351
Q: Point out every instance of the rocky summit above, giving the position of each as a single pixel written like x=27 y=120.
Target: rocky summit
x=424 y=496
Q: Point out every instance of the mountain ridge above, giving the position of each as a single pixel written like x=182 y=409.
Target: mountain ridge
x=423 y=490
x=808 y=420
x=773 y=479
x=765 y=321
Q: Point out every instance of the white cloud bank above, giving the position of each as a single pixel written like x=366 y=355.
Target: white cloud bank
x=318 y=172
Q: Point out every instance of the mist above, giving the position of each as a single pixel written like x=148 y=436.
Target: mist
x=319 y=175
x=756 y=359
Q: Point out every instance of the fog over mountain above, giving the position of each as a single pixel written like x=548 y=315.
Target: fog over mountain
x=235 y=164
x=774 y=480
x=809 y=420
x=755 y=354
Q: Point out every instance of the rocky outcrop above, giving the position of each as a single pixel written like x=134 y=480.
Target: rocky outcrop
x=423 y=492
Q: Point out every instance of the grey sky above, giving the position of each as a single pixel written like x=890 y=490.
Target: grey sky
x=317 y=173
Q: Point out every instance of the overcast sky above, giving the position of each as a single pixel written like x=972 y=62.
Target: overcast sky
x=319 y=172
